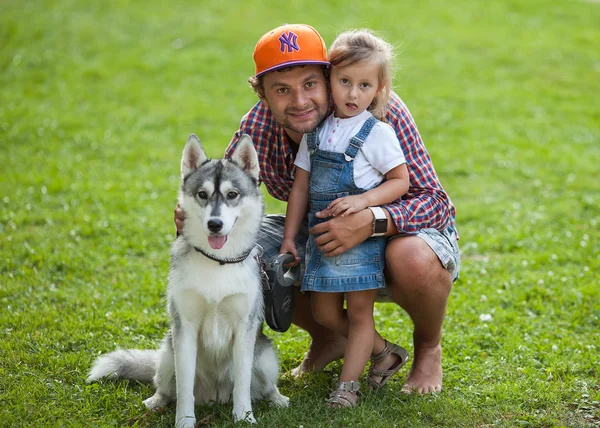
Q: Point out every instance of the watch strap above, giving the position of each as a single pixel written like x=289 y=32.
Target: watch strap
x=380 y=221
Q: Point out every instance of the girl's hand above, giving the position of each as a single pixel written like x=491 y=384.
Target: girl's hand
x=289 y=246
x=346 y=205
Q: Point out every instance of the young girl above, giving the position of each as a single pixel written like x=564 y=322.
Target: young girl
x=351 y=162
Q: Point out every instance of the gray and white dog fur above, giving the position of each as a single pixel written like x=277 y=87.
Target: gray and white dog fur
x=215 y=349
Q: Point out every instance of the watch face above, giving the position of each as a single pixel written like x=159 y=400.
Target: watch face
x=381 y=225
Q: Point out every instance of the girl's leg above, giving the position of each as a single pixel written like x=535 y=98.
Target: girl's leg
x=325 y=346
x=361 y=333
x=328 y=310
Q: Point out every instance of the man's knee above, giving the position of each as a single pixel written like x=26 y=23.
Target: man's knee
x=412 y=266
x=410 y=254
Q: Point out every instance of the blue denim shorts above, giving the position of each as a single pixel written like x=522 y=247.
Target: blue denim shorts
x=444 y=245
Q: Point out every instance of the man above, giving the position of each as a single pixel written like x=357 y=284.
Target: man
x=422 y=256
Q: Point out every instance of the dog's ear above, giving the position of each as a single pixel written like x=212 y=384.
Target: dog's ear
x=193 y=155
x=246 y=157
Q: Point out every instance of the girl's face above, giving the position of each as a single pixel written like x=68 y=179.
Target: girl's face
x=354 y=87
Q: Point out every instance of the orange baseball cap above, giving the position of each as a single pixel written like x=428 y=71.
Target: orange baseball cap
x=290 y=44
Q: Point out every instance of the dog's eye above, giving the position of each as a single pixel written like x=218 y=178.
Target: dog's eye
x=232 y=194
x=202 y=194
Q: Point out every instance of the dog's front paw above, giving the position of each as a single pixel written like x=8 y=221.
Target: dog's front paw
x=185 y=422
x=157 y=400
x=244 y=416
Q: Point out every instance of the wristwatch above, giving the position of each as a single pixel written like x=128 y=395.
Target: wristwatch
x=380 y=221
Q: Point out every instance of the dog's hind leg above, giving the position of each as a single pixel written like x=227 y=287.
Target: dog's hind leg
x=225 y=389
x=164 y=378
x=277 y=399
x=266 y=367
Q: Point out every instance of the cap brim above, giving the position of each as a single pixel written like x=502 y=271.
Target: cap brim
x=292 y=63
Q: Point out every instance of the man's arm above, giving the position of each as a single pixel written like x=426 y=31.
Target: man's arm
x=426 y=205
x=339 y=234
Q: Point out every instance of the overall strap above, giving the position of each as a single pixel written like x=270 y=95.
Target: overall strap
x=312 y=140
x=358 y=140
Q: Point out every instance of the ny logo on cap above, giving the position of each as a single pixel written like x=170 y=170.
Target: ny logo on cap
x=288 y=42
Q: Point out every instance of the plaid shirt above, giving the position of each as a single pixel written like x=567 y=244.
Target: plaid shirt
x=425 y=205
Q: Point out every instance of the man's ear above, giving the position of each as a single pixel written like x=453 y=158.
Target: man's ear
x=263 y=100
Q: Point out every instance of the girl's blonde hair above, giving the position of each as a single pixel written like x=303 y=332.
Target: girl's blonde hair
x=354 y=46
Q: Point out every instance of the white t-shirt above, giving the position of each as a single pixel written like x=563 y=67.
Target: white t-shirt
x=379 y=154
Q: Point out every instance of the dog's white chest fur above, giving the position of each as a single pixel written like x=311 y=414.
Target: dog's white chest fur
x=218 y=299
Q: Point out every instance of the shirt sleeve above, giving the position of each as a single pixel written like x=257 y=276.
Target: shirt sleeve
x=382 y=150
x=252 y=124
x=426 y=204
x=257 y=128
x=303 y=157
x=275 y=157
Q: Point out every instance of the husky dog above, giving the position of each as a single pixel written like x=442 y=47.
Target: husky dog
x=215 y=348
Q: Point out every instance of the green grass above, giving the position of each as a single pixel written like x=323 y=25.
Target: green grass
x=97 y=100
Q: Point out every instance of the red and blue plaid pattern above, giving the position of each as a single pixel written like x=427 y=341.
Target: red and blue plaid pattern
x=426 y=205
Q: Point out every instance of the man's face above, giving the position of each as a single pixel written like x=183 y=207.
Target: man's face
x=298 y=98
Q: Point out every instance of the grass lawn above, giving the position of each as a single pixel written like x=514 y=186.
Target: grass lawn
x=97 y=100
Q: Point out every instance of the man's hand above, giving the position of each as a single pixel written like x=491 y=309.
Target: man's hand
x=339 y=234
x=179 y=218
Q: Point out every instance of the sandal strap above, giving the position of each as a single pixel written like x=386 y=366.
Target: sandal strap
x=346 y=394
x=343 y=399
x=350 y=386
x=374 y=372
x=386 y=374
x=384 y=352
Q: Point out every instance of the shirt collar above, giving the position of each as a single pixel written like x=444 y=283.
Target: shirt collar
x=350 y=121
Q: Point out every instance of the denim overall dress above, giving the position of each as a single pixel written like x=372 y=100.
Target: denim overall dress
x=332 y=177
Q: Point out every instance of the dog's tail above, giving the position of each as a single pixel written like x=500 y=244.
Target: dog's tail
x=125 y=363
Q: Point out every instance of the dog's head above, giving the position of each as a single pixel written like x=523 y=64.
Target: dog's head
x=220 y=197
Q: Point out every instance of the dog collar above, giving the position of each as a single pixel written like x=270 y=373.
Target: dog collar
x=222 y=262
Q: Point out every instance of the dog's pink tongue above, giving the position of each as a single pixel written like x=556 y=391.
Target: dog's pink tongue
x=217 y=242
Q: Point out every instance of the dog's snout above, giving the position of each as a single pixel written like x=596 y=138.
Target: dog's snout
x=215 y=225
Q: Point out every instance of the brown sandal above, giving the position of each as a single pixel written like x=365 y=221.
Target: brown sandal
x=389 y=348
x=346 y=395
